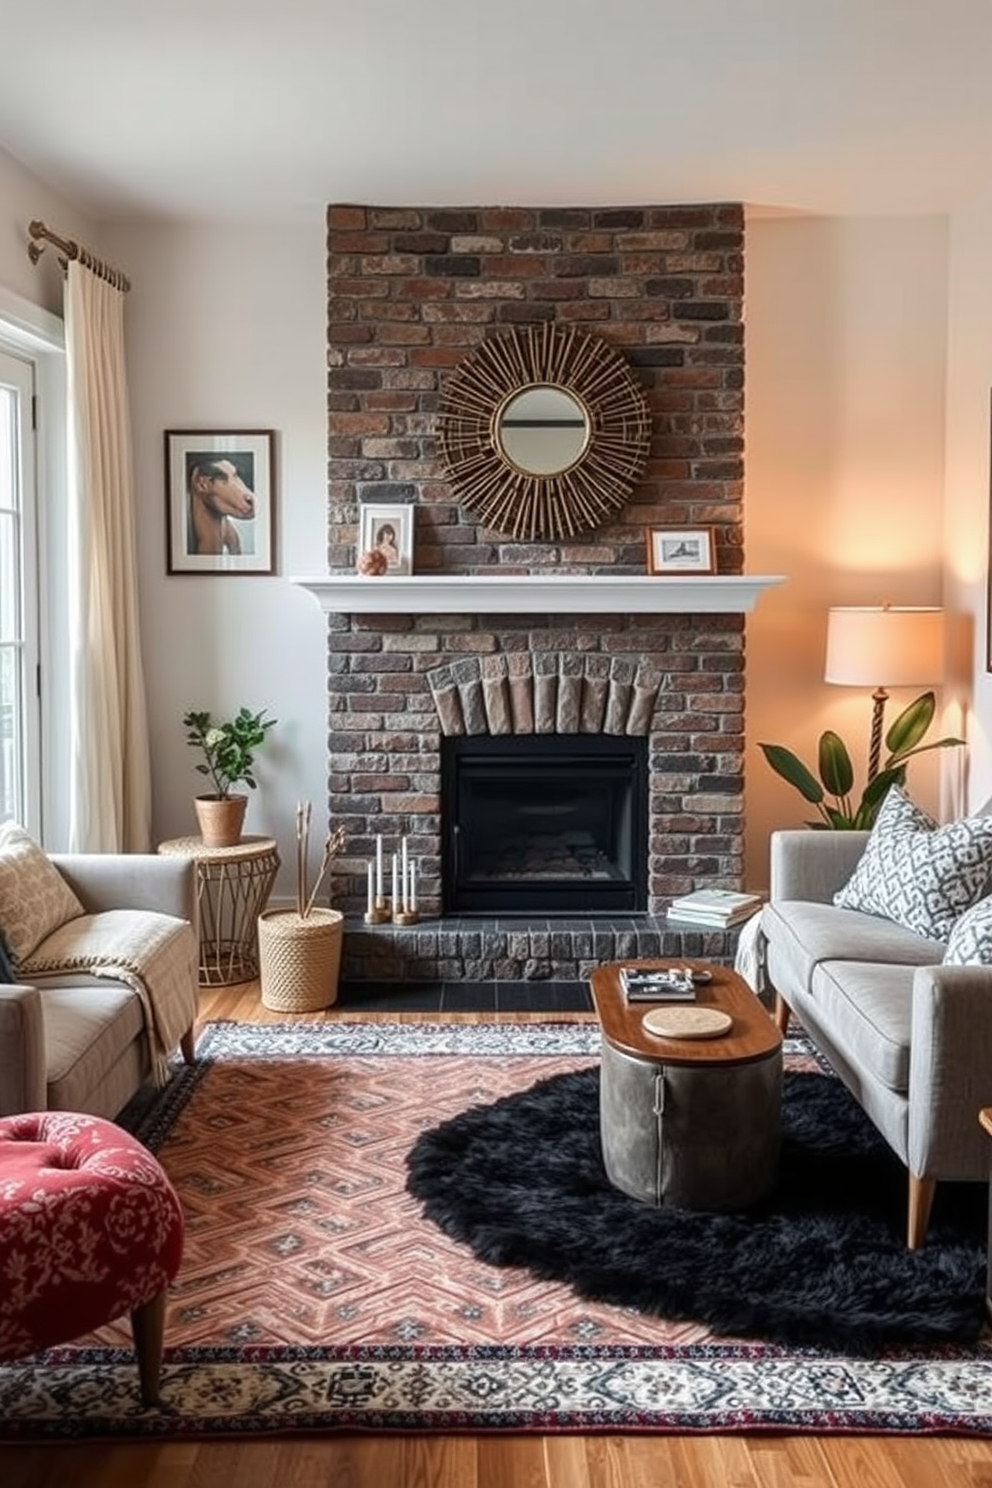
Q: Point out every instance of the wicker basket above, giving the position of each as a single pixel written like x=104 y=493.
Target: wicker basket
x=299 y=959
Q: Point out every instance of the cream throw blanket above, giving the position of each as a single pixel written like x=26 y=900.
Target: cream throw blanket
x=154 y=954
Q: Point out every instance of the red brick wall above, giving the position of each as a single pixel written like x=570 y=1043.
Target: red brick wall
x=410 y=292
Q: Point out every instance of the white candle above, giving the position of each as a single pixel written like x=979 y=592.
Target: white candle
x=396 y=869
x=404 y=875
x=378 y=868
x=413 y=886
x=371 y=895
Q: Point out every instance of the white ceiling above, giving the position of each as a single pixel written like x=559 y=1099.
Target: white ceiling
x=268 y=109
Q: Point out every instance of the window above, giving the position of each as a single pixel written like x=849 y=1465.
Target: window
x=19 y=721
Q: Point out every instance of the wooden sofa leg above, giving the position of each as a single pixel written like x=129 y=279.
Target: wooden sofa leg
x=187 y=1046
x=921 y=1192
x=148 y=1330
x=781 y=1014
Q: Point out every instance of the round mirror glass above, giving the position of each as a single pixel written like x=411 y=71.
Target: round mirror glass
x=542 y=430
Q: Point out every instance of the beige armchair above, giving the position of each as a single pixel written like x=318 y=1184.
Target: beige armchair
x=103 y=1001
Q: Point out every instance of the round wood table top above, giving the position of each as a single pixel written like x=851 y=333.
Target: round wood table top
x=752 y=1034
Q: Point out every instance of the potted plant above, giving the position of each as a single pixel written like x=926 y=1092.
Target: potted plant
x=836 y=772
x=228 y=751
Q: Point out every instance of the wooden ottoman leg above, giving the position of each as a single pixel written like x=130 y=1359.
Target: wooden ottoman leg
x=187 y=1045
x=148 y=1330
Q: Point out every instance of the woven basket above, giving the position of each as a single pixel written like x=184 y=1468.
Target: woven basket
x=299 y=959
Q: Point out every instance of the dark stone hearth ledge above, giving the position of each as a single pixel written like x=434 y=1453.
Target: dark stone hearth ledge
x=478 y=948
x=524 y=594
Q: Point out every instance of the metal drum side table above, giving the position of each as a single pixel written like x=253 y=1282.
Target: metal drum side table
x=232 y=888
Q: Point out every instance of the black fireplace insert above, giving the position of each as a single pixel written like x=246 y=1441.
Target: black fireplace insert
x=547 y=823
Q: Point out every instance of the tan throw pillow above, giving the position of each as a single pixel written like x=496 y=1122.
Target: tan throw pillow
x=34 y=897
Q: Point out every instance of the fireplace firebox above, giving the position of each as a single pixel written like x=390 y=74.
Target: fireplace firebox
x=547 y=823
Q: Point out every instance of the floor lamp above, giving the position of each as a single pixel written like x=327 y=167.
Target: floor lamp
x=884 y=646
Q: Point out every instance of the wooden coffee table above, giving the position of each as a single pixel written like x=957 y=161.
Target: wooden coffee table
x=689 y=1123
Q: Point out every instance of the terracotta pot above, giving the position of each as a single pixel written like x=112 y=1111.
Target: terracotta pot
x=220 y=819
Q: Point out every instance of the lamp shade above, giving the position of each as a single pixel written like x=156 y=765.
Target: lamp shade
x=885 y=646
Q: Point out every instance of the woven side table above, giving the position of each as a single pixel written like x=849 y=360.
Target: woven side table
x=232 y=888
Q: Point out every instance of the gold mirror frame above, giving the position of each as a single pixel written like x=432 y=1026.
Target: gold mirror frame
x=590 y=491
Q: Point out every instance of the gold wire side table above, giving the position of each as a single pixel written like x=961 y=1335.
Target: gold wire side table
x=232 y=888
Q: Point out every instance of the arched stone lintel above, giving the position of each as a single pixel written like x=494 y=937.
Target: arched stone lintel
x=544 y=692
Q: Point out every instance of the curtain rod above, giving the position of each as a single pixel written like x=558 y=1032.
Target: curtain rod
x=71 y=249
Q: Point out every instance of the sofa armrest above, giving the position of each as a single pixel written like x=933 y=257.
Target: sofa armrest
x=104 y=881
x=813 y=865
x=950 y=1071
x=23 y=1083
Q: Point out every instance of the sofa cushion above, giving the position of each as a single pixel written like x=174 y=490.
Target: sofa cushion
x=801 y=934
x=35 y=899
x=88 y=1027
x=970 y=943
x=868 y=1008
x=918 y=874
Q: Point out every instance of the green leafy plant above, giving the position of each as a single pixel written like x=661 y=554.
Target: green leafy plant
x=836 y=772
x=227 y=748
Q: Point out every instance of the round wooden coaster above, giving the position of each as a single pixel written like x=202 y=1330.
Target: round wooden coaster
x=686 y=1022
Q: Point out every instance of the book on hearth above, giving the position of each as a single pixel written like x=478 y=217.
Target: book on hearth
x=719 y=907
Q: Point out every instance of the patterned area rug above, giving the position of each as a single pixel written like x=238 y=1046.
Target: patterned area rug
x=313 y=1297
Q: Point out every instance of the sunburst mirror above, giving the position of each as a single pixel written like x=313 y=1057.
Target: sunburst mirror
x=543 y=432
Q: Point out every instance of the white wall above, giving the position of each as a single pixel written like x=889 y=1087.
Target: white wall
x=966 y=537
x=23 y=197
x=226 y=329
x=845 y=340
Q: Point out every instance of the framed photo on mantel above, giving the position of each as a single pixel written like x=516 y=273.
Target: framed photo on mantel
x=220 y=501
x=385 y=533
x=681 y=550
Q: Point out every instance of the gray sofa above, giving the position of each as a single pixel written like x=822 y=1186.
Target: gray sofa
x=911 y=1038
x=74 y=1040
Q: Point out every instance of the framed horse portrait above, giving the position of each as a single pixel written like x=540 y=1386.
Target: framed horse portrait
x=220 y=501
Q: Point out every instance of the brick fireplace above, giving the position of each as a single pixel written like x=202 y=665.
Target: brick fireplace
x=410 y=292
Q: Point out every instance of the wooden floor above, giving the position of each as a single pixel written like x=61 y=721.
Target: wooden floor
x=759 y=1461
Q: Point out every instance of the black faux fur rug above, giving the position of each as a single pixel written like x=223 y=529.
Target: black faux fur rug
x=821 y=1263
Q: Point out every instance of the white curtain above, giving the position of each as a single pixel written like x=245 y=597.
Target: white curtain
x=110 y=790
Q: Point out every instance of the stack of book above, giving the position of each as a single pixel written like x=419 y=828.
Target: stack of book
x=673 y=984
x=719 y=908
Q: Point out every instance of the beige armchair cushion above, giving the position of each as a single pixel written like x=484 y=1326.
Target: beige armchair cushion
x=35 y=899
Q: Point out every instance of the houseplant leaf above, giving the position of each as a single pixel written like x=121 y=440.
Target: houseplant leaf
x=908 y=729
x=836 y=770
x=792 y=769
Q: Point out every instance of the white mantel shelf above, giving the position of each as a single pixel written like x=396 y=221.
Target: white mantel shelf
x=524 y=594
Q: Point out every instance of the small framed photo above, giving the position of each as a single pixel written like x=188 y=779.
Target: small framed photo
x=220 y=501
x=681 y=550
x=388 y=531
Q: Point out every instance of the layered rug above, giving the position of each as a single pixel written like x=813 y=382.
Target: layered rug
x=317 y=1295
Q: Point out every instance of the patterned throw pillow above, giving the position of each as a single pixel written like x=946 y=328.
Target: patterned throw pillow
x=34 y=897
x=920 y=875
x=971 y=939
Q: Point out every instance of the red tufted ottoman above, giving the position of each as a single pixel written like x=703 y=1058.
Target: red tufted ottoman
x=90 y=1228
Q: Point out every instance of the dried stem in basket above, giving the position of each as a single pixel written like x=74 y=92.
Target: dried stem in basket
x=332 y=846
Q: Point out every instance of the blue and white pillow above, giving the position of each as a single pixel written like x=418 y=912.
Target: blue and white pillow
x=971 y=938
x=917 y=874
